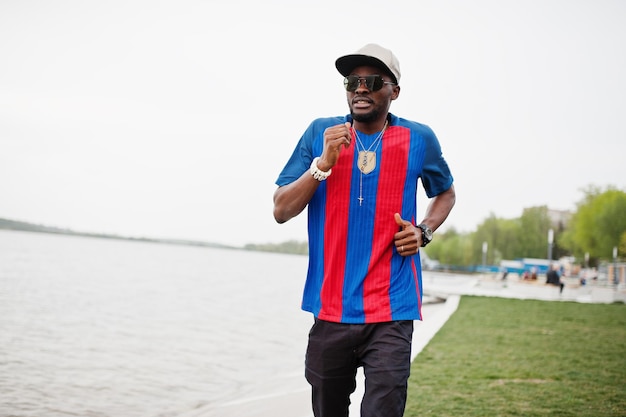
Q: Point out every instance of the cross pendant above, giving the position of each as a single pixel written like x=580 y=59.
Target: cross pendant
x=360 y=200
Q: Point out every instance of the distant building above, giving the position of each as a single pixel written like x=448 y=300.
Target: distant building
x=559 y=218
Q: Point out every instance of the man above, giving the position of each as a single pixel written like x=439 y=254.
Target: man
x=553 y=277
x=358 y=175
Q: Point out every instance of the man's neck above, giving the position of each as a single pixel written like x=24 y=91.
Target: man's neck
x=370 y=127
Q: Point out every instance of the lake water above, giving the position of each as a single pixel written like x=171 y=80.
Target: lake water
x=111 y=328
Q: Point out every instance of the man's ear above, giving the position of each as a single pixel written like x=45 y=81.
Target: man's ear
x=396 y=92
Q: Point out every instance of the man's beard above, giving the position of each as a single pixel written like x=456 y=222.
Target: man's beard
x=365 y=118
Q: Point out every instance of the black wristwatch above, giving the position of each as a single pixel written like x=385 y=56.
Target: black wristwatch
x=427 y=234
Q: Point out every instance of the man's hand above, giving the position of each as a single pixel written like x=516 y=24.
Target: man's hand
x=334 y=138
x=409 y=239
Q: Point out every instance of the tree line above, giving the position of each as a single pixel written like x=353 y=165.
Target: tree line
x=596 y=226
x=589 y=234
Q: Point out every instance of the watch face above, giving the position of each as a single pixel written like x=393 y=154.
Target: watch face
x=427 y=234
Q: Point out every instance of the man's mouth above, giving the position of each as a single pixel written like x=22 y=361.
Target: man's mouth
x=360 y=102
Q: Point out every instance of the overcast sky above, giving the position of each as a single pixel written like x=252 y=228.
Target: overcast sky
x=173 y=118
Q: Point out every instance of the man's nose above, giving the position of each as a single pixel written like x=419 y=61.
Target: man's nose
x=362 y=84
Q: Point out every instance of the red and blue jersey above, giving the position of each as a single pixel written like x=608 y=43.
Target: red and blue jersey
x=355 y=274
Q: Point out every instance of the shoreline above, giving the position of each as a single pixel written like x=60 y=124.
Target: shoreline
x=293 y=397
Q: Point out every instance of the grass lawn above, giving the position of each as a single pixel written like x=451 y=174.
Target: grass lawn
x=508 y=357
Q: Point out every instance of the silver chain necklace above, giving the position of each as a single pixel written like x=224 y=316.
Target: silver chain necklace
x=366 y=160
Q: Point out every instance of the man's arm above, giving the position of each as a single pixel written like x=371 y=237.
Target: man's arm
x=439 y=208
x=409 y=239
x=291 y=199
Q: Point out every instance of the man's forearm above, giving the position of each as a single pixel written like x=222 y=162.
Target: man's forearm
x=291 y=199
x=439 y=208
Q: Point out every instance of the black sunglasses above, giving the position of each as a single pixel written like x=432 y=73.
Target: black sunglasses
x=372 y=82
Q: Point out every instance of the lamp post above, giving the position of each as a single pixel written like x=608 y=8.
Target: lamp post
x=615 y=278
x=550 y=242
x=485 y=245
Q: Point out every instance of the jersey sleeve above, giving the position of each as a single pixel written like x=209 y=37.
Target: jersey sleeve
x=436 y=176
x=308 y=147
